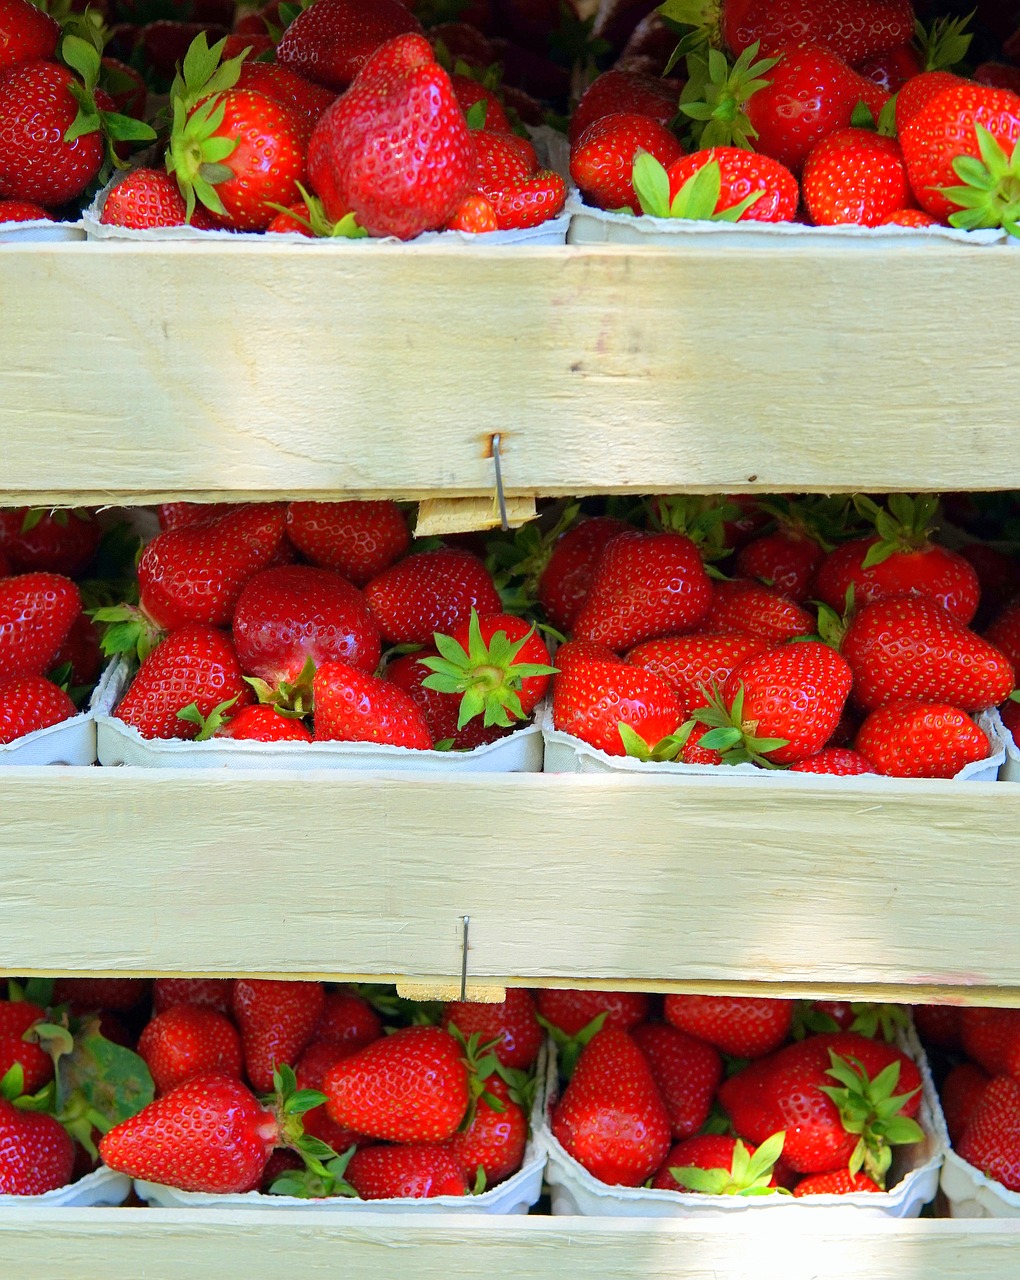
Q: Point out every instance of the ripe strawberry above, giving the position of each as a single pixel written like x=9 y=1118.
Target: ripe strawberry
x=853 y=29
x=744 y=606
x=126 y=87
x=330 y=41
x=470 y=92
x=592 y=698
x=910 y=218
x=961 y=1091
x=840 y=1183
x=909 y=647
x=570 y=1011
x=264 y=723
x=921 y=740
x=30 y=703
x=356 y=539
x=428 y=592
x=617 y=92
x=81 y=653
x=148 y=198
x=891 y=70
x=718 y=184
x=163 y=44
x=511 y=1023
x=991 y=1141
x=841 y=761
x=276 y=81
x=987 y=1035
x=567 y=576
x=713 y=1164
x=474 y=215
x=441 y=710
x=353 y=707
x=214 y=993
x=253 y=46
x=16 y=1019
x=395 y=149
x=686 y=1072
x=277 y=1021
x=189 y=1040
x=741 y=1026
x=23 y=211
x=786 y=560
x=407 y=1172
x=90 y=995
x=502 y=157
x=36 y=1154
x=495 y=1138
x=196 y=665
x=37 y=611
x=1004 y=633
x=938 y=1024
x=175 y=515
x=26 y=33
x=526 y=202
x=62 y=542
x=349 y=1021
x=209 y=1135
x=918 y=91
x=855 y=176
x=411 y=1086
x=310 y=1073
x=602 y=157
x=693 y=664
x=611 y=1118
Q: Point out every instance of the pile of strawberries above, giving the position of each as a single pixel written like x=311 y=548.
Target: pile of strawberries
x=813 y=1102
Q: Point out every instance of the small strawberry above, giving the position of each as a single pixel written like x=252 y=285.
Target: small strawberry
x=26 y=33
x=38 y=541
x=713 y=1164
x=349 y=1021
x=840 y=761
x=840 y=1183
x=855 y=176
x=686 y=1071
x=494 y=1141
x=415 y=1171
x=617 y=92
x=592 y=698
x=474 y=215
x=746 y=606
x=430 y=591
x=264 y=723
x=962 y=1089
x=694 y=663
x=189 y=1040
x=511 y=1024
x=741 y=1026
x=602 y=158
x=356 y=539
x=910 y=218
x=991 y=1140
x=215 y=993
x=332 y=40
x=90 y=995
x=17 y=1017
x=277 y=1020
x=30 y=703
x=37 y=611
x=23 y=211
x=353 y=707
x=566 y=578
x=921 y=740
x=147 y=198
x=36 y=1154
x=720 y=184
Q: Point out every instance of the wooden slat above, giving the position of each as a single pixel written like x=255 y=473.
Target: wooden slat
x=127 y=1244
x=850 y=886
x=139 y=372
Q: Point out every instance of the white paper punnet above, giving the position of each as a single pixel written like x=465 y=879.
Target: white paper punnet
x=972 y=1194
x=914 y=1177
x=566 y=754
x=42 y=231
x=1010 y=771
x=118 y=743
x=514 y=1196
x=103 y=1187
x=72 y=742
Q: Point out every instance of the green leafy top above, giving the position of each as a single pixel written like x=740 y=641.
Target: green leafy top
x=81 y=49
x=319 y=223
x=518 y=562
x=904 y=524
x=872 y=1109
x=716 y=93
x=945 y=43
x=733 y=737
x=748 y=1175
x=697 y=199
x=990 y=192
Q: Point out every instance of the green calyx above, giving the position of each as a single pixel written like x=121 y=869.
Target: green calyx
x=568 y=1048
x=821 y=518
x=322 y=227
x=904 y=524
x=945 y=43
x=487 y=676
x=872 y=1109
x=871 y=1020
x=748 y=1175
x=698 y=517
x=127 y=631
x=201 y=74
x=295 y=699
x=990 y=194
x=83 y=54
x=98 y=1084
x=698 y=199
x=668 y=748
x=482 y=1064
x=731 y=735
x=210 y=725
x=703 y=17
x=715 y=94
x=323 y=1174
x=518 y=562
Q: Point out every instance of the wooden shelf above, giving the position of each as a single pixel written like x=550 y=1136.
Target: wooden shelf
x=141 y=372
x=163 y=1244
x=877 y=889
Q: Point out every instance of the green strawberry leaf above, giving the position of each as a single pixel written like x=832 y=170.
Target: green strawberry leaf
x=651 y=185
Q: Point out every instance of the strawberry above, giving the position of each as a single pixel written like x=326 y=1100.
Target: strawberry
x=189 y=1040
x=148 y=198
x=744 y=606
x=892 y=69
x=693 y=664
x=592 y=698
x=938 y=1024
x=910 y=218
x=741 y=1026
x=962 y=1090
x=567 y=576
x=277 y=1021
x=310 y=1073
x=511 y=1024
x=264 y=723
x=841 y=761
x=395 y=149
x=26 y=33
x=36 y=1154
x=349 y=1021
x=81 y=653
x=210 y=1134
x=89 y=995
x=470 y=93
x=126 y=87
x=23 y=211
x=253 y=46
x=276 y=81
x=406 y=1172
x=441 y=710
x=713 y=1164
x=410 y=1087
x=495 y=1137
x=196 y=667
x=332 y=40
x=356 y=539
x=30 y=703
x=353 y=707
x=997 y=576
x=502 y=156
x=526 y=202
x=909 y=647
x=991 y=1140
x=611 y=1118
x=175 y=515
x=474 y=215
x=571 y=1012
x=428 y=592
x=62 y=542
x=840 y=1183
x=215 y=993
x=987 y=1035
x=686 y=1072
x=602 y=157
x=719 y=184
x=854 y=29
x=37 y=611
x=617 y=92
x=855 y=176
x=1004 y=633
x=918 y=91
x=921 y=740
x=17 y=1017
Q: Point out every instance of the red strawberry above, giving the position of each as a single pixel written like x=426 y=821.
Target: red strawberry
x=264 y=723
x=571 y=1011
x=853 y=29
x=693 y=664
x=189 y=1040
x=786 y=559
x=840 y=1183
x=602 y=157
x=395 y=149
x=686 y=1071
x=126 y=87
x=611 y=1117
x=16 y=1018
x=918 y=91
x=36 y=1155
x=332 y=40
x=276 y=81
x=441 y=710
x=81 y=651
x=349 y=1021
x=30 y=703
x=987 y=1035
x=591 y=698
x=511 y=1023
x=196 y=665
x=23 y=211
x=997 y=576
x=353 y=707
x=474 y=215
x=209 y=1135
x=405 y=1172
x=251 y=45
x=495 y=1138
x=502 y=156
x=938 y=1024
x=26 y=33
x=411 y=1086
x=855 y=176
x=623 y=93
x=892 y=69
x=921 y=740
x=910 y=218
x=751 y=188
x=356 y=539
x=567 y=577
x=841 y=761
x=148 y=198
x=745 y=606
x=526 y=202
x=310 y=1073
x=90 y=995
x=215 y=993
x=1004 y=633
x=911 y=648
x=470 y=92
x=713 y=1164
x=62 y=542
x=277 y=1021
x=741 y=1026
x=961 y=1091
x=175 y=515
x=37 y=611
x=991 y=1141
x=428 y=592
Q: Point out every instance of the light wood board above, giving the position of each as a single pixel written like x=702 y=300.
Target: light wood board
x=164 y=1244
x=851 y=886
x=145 y=372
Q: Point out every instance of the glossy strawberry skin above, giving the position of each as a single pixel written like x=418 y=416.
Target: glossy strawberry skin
x=215 y=993
x=839 y=761
x=274 y=80
x=416 y=1171
x=1004 y=633
x=921 y=740
x=741 y=1026
x=149 y=198
x=441 y=710
x=63 y=542
x=26 y=33
x=696 y=663
x=743 y=173
x=853 y=29
x=701 y=1151
x=310 y=1072
x=786 y=559
x=933 y=571
x=190 y=1040
x=37 y=610
x=195 y=664
x=910 y=648
x=353 y=707
x=264 y=723
x=31 y=703
x=90 y=995
x=567 y=578
x=991 y=1141
x=16 y=1018
x=918 y=91
x=686 y=1071
x=987 y=1035
x=23 y=211
x=494 y=1140
x=277 y=1020
x=428 y=592
x=348 y=1020
x=961 y=1091
x=526 y=202
x=512 y=1023
x=855 y=176
x=591 y=698
x=331 y=42
x=602 y=158
x=743 y=605
x=356 y=539
x=411 y=1087
x=209 y=1135
x=572 y=1010
x=36 y=1155
x=623 y=92
x=611 y=1118
x=840 y=1183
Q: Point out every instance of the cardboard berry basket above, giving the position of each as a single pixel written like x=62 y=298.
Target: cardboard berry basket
x=914 y=1177
x=101 y=1188
x=41 y=231
x=516 y=1195
x=971 y=1194
x=1010 y=771
x=566 y=754
x=72 y=742
x=118 y=743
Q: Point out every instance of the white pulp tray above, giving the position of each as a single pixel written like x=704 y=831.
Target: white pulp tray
x=102 y=1187
x=566 y=754
x=971 y=1194
x=41 y=231
x=915 y=1175
x=71 y=742
x=118 y=743
x=1010 y=771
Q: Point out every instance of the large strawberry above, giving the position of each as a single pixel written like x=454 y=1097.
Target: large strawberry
x=441 y=710
x=991 y=1140
x=921 y=740
x=428 y=592
x=332 y=40
x=395 y=149
x=36 y=1154
x=592 y=697
x=855 y=176
x=602 y=158
x=351 y=706
x=26 y=33
x=742 y=1026
x=349 y=1020
x=356 y=539
x=566 y=579
x=274 y=80
x=277 y=1019
x=37 y=610
x=189 y=1040
x=416 y=1171
x=746 y=606
x=687 y=1072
